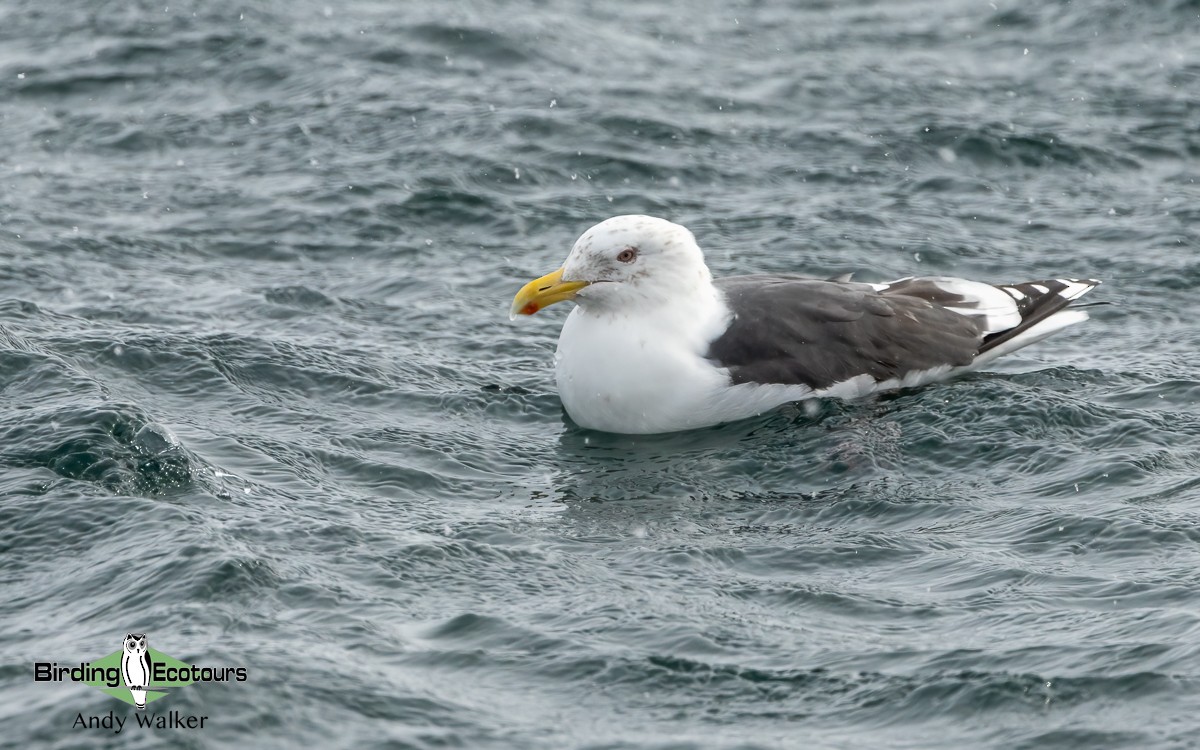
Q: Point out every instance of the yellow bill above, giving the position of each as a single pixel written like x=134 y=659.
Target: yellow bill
x=544 y=292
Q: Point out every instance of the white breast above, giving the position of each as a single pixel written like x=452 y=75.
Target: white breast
x=647 y=373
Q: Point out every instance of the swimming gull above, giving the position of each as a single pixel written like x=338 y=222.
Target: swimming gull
x=655 y=344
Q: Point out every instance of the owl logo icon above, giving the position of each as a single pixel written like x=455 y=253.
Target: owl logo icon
x=135 y=667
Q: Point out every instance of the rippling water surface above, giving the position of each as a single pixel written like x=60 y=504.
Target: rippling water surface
x=260 y=398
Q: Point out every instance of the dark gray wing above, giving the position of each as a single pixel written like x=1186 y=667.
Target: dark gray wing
x=796 y=330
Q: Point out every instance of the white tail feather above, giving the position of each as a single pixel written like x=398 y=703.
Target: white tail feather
x=1033 y=334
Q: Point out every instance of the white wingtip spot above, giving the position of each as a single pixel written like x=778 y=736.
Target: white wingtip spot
x=1074 y=289
x=1016 y=294
x=1039 y=288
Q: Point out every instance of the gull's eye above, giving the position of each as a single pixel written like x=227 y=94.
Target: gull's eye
x=628 y=255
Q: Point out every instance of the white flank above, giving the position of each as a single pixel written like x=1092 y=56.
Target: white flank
x=864 y=385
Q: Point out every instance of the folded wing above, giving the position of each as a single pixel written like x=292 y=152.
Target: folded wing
x=797 y=330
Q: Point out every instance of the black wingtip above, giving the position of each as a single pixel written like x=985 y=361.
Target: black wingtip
x=1038 y=300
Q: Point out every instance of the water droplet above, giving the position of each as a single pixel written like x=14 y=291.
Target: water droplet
x=553 y=103
x=21 y=76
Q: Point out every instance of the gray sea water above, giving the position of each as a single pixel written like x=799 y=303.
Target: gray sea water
x=261 y=400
